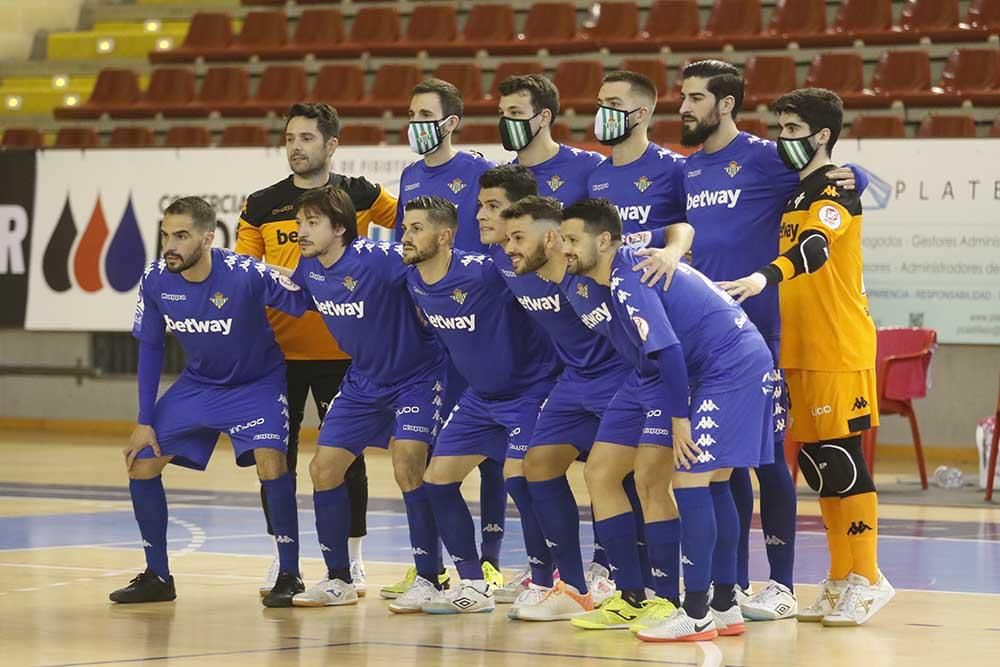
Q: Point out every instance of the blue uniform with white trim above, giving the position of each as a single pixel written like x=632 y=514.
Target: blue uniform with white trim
x=394 y=385
x=564 y=176
x=234 y=380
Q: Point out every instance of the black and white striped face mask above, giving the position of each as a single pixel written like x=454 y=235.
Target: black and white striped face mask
x=611 y=126
x=797 y=153
x=425 y=135
x=516 y=133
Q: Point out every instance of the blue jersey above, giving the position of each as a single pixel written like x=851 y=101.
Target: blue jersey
x=564 y=175
x=457 y=180
x=649 y=192
x=220 y=322
x=366 y=305
x=581 y=351
x=722 y=347
x=735 y=199
x=491 y=340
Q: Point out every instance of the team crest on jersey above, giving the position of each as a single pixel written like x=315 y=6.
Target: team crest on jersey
x=583 y=290
x=456 y=185
x=555 y=182
x=459 y=296
x=643 y=184
x=733 y=168
x=350 y=283
x=219 y=300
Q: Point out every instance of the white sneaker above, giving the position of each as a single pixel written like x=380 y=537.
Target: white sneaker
x=771 y=603
x=518 y=584
x=728 y=623
x=560 y=603
x=533 y=594
x=269 y=578
x=830 y=591
x=679 y=627
x=599 y=583
x=860 y=601
x=420 y=593
x=359 y=578
x=327 y=593
x=742 y=594
x=470 y=597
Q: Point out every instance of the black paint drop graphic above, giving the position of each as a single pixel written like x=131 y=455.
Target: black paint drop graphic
x=55 y=261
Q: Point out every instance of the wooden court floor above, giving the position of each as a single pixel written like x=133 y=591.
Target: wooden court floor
x=67 y=539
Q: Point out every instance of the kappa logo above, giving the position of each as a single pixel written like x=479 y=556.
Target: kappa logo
x=492 y=528
x=707 y=422
x=268 y=436
x=708 y=405
x=535 y=561
x=597 y=187
x=860 y=403
x=774 y=541
x=779 y=425
x=469 y=259
x=685 y=560
x=705 y=457
x=146 y=545
x=555 y=182
x=284 y=539
x=643 y=184
x=417 y=551
x=323 y=547
x=858 y=527
x=173 y=297
x=319 y=277
x=411 y=187
x=733 y=168
x=830 y=191
x=705 y=440
x=456 y=185
x=657 y=572
x=219 y=300
x=550 y=544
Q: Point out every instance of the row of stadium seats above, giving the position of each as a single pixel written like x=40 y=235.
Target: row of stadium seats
x=663 y=132
x=905 y=76
x=553 y=27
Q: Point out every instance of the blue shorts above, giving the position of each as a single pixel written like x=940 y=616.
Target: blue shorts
x=572 y=412
x=734 y=427
x=366 y=414
x=190 y=415
x=496 y=429
x=637 y=414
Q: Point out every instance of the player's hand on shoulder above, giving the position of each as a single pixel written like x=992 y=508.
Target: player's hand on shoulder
x=843 y=177
x=143 y=435
x=686 y=452
x=658 y=263
x=745 y=287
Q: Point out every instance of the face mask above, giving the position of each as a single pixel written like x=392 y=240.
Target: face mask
x=797 y=153
x=515 y=133
x=611 y=126
x=424 y=135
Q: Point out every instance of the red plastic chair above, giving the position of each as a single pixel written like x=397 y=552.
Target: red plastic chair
x=902 y=369
x=991 y=467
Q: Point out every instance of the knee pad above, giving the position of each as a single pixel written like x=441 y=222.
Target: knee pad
x=846 y=473
x=812 y=466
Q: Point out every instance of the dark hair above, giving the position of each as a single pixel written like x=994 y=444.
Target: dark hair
x=440 y=211
x=544 y=94
x=598 y=215
x=325 y=116
x=818 y=107
x=516 y=181
x=638 y=82
x=724 y=80
x=539 y=208
x=200 y=211
x=335 y=204
x=451 y=98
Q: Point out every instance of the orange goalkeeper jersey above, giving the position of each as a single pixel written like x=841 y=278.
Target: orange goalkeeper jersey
x=268 y=230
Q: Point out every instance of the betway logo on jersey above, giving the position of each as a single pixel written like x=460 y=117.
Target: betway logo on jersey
x=334 y=309
x=550 y=302
x=727 y=198
x=600 y=314
x=638 y=214
x=459 y=323
x=193 y=326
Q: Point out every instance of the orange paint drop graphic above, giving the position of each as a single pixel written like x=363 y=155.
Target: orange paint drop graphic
x=87 y=261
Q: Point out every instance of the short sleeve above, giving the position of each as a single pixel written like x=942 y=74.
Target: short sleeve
x=148 y=325
x=642 y=306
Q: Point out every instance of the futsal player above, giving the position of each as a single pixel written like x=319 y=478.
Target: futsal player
x=828 y=353
x=315 y=363
x=714 y=364
x=234 y=382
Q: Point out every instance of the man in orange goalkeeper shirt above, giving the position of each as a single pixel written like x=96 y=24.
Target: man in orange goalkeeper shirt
x=827 y=353
x=315 y=362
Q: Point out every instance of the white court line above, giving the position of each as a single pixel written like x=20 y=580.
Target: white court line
x=713 y=656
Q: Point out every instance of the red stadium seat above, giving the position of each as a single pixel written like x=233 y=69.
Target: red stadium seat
x=22 y=138
x=973 y=74
x=132 y=137
x=935 y=126
x=280 y=87
x=869 y=21
x=670 y=23
x=738 y=22
x=222 y=87
x=666 y=132
x=984 y=15
x=362 y=135
x=115 y=88
x=373 y=27
x=994 y=132
x=244 y=136
x=391 y=90
x=877 y=127
x=262 y=30
x=168 y=87
x=467 y=77
x=188 y=136
x=843 y=73
x=339 y=86
x=77 y=137
x=487 y=104
x=562 y=134
x=487 y=26
x=656 y=70
x=549 y=25
x=617 y=22
x=905 y=76
x=767 y=78
x=754 y=126
x=207 y=31
x=429 y=25
x=802 y=21
x=937 y=20
x=316 y=31
x=477 y=134
x=581 y=77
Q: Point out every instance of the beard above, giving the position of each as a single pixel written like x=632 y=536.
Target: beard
x=697 y=135
x=309 y=167
x=185 y=263
x=415 y=255
x=533 y=262
x=580 y=264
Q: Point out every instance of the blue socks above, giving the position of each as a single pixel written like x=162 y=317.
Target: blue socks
x=284 y=513
x=423 y=534
x=618 y=538
x=539 y=556
x=600 y=555
x=149 y=503
x=454 y=522
x=492 y=509
x=663 y=540
x=777 y=516
x=640 y=529
x=727 y=523
x=559 y=517
x=742 y=491
x=333 y=526
x=698 y=533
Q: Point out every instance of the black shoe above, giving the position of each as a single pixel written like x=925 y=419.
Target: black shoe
x=286 y=586
x=147 y=587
